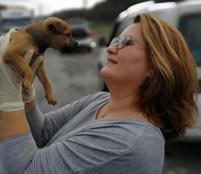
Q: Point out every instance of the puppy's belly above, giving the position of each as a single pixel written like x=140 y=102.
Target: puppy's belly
x=28 y=55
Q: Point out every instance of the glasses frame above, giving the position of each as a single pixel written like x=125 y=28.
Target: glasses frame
x=122 y=41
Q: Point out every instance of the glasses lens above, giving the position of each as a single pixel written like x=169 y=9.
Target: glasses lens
x=115 y=40
x=122 y=41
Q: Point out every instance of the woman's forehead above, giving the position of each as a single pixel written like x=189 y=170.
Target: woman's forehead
x=135 y=31
x=133 y=28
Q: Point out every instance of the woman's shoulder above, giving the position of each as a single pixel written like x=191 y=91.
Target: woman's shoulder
x=96 y=97
x=101 y=95
x=129 y=131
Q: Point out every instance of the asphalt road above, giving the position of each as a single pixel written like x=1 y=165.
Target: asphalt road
x=72 y=75
x=75 y=75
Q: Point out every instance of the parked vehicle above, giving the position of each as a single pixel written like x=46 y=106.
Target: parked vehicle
x=185 y=15
x=84 y=37
x=15 y=17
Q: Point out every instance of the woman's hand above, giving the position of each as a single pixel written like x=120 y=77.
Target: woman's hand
x=10 y=89
x=12 y=94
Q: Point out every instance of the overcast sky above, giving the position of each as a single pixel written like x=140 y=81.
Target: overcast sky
x=49 y=6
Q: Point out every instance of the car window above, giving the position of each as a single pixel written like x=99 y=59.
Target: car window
x=190 y=26
x=114 y=31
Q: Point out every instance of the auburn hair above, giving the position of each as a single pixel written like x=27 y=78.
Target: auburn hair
x=169 y=95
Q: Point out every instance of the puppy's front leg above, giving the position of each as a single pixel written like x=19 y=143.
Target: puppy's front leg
x=42 y=76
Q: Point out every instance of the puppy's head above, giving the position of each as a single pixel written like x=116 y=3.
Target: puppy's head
x=58 y=34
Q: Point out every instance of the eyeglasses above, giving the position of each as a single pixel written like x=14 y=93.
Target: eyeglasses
x=125 y=40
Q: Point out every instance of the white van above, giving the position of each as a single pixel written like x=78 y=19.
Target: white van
x=15 y=17
x=185 y=15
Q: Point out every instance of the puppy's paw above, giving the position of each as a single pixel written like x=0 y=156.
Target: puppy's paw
x=28 y=94
x=51 y=100
x=26 y=84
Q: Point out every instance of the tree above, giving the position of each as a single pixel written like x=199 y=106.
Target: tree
x=109 y=10
x=2 y=7
x=106 y=11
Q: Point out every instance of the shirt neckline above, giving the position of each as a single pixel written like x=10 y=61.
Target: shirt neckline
x=119 y=120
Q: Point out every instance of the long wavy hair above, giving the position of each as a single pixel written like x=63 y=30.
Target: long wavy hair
x=169 y=94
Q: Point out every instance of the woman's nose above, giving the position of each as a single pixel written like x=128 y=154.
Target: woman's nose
x=112 y=49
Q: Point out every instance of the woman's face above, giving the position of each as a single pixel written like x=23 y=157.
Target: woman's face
x=127 y=61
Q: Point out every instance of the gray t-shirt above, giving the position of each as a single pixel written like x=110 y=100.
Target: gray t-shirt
x=71 y=141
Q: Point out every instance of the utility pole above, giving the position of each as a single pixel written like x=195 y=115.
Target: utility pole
x=40 y=9
x=85 y=3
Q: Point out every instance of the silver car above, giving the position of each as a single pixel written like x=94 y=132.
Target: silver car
x=84 y=37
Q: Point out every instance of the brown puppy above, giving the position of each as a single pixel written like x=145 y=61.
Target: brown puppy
x=30 y=43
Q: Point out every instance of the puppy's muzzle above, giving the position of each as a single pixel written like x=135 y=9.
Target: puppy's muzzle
x=70 y=48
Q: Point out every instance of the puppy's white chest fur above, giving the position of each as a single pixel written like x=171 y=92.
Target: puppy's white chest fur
x=28 y=55
x=33 y=60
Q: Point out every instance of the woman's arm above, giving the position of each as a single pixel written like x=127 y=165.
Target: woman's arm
x=44 y=126
x=104 y=147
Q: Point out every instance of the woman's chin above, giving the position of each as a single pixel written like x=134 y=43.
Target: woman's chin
x=104 y=72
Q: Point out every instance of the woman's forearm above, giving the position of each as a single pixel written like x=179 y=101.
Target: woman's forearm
x=13 y=124
x=30 y=105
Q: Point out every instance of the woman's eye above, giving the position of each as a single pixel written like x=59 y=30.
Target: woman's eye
x=129 y=42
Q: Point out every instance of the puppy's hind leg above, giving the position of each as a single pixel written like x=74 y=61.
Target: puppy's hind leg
x=42 y=76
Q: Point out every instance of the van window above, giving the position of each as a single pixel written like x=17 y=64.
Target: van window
x=190 y=26
x=124 y=23
x=114 y=31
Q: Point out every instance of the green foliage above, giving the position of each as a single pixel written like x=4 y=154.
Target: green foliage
x=100 y=29
x=2 y=7
x=109 y=10
x=106 y=11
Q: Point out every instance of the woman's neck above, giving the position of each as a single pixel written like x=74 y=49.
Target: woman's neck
x=122 y=100
x=121 y=108
x=122 y=95
x=121 y=104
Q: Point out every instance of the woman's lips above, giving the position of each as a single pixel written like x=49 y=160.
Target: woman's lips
x=110 y=60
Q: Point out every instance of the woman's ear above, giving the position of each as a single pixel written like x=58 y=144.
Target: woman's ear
x=150 y=71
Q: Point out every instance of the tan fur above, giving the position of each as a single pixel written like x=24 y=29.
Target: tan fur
x=32 y=40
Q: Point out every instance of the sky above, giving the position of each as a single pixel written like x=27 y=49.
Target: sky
x=48 y=6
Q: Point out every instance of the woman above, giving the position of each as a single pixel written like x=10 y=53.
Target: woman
x=151 y=76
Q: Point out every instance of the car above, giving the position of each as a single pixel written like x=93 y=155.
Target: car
x=83 y=35
x=183 y=15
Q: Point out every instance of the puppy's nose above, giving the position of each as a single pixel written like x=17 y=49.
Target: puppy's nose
x=75 y=43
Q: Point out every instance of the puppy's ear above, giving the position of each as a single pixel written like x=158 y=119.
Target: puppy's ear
x=55 y=27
